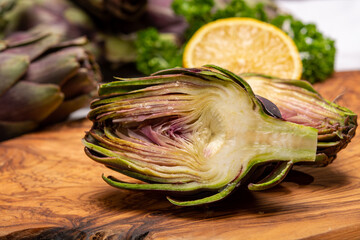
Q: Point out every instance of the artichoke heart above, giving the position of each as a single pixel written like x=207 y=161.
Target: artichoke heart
x=300 y=103
x=186 y=130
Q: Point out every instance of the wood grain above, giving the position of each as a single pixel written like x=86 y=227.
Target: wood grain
x=49 y=189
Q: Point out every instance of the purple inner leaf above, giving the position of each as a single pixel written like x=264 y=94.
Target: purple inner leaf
x=269 y=107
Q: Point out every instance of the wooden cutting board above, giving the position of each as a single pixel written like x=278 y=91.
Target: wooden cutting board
x=49 y=189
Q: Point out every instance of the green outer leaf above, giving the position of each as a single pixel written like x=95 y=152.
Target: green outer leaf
x=81 y=83
x=274 y=178
x=203 y=73
x=12 y=68
x=145 y=178
x=57 y=67
x=153 y=186
x=66 y=108
x=126 y=85
x=23 y=38
x=328 y=144
x=134 y=86
x=13 y=129
x=323 y=160
x=35 y=42
x=285 y=166
x=213 y=198
x=28 y=101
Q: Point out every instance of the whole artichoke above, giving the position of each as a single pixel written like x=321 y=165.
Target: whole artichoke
x=42 y=80
x=114 y=9
x=192 y=130
x=71 y=21
x=300 y=103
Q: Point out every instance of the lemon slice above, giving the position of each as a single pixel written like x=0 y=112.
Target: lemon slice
x=244 y=45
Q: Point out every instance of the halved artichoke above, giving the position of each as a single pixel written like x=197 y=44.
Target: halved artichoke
x=191 y=130
x=300 y=103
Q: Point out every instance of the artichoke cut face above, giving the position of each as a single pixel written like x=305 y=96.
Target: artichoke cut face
x=183 y=133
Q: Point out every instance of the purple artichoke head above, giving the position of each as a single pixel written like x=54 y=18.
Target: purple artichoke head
x=42 y=79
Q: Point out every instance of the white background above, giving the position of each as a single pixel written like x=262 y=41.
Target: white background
x=338 y=19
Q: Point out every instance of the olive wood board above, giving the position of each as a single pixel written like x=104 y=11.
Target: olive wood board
x=49 y=189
